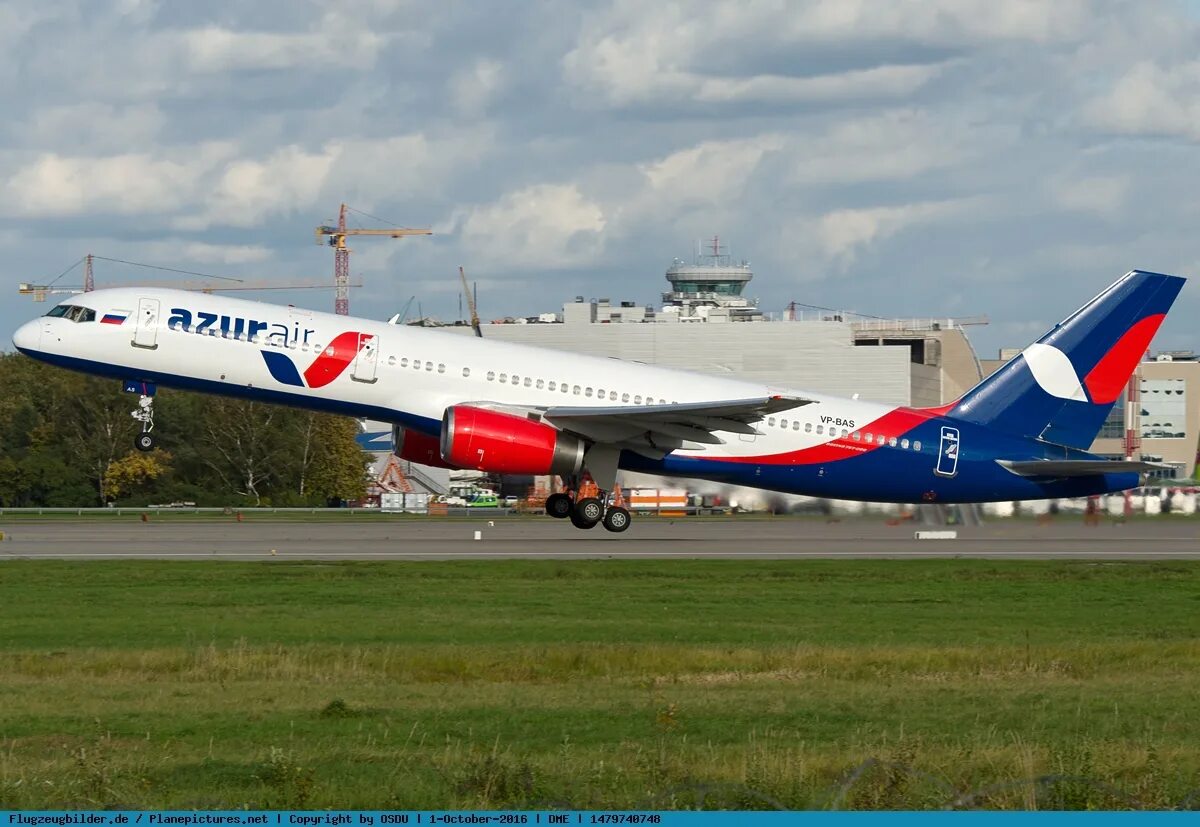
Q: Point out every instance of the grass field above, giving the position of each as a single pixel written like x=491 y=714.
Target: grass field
x=599 y=684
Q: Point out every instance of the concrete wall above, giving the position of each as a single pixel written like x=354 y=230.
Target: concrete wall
x=816 y=356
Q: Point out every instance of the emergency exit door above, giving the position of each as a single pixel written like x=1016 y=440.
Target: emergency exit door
x=367 y=359
x=145 y=334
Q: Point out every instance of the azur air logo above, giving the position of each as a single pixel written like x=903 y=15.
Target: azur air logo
x=329 y=365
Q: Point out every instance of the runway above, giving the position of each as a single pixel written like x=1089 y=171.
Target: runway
x=545 y=538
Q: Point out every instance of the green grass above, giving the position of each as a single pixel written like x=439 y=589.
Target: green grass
x=598 y=684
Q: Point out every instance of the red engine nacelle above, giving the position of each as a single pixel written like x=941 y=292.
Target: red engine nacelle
x=507 y=444
x=417 y=447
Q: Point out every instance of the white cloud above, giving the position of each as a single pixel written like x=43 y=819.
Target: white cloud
x=1150 y=99
x=1102 y=194
x=842 y=234
x=542 y=226
x=333 y=43
x=473 y=88
x=131 y=183
x=630 y=53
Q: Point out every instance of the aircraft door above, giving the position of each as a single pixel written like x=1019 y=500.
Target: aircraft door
x=145 y=334
x=947 y=464
x=367 y=359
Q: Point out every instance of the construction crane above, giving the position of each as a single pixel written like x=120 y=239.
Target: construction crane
x=470 y=303
x=40 y=291
x=341 y=254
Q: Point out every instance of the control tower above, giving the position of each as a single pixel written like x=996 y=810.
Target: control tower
x=710 y=287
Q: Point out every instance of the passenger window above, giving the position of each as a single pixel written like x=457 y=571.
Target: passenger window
x=600 y=394
x=808 y=427
x=587 y=392
x=869 y=438
x=491 y=375
x=441 y=368
x=466 y=371
x=904 y=444
x=552 y=386
x=429 y=366
x=856 y=436
x=637 y=400
x=917 y=445
x=528 y=382
x=404 y=362
x=516 y=380
x=504 y=377
x=624 y=397
x=771 y=421
x=576 y=390
x=416 y=364
x=881 y=439
x=844 y=433
x=566 y=388
x=540 y=384
x=820 y=429
x=892 y=442
x=783 y=423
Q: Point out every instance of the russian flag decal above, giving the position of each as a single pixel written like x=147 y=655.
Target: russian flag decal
x=115 y=317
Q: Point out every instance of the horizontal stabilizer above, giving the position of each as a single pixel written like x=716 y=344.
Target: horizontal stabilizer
x=1078 y=467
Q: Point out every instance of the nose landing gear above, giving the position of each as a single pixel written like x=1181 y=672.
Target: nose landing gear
x=144 y=413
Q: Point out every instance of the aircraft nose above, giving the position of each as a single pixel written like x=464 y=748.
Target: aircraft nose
x=28 y=336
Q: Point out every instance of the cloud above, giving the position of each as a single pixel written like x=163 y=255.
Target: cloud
x=1102 y=195
x=631 y=54
x=332 y=43
x=472 y=89
x=843 y=234
x=1153 y=100
x=543 y=226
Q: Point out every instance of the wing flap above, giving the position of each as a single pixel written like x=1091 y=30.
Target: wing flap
x=654 y=430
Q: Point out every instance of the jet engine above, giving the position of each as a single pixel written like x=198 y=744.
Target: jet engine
x=505 y=443
x=417 y=447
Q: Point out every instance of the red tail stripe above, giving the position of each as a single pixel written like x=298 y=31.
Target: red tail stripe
x=895 y=423
x=1108 y=377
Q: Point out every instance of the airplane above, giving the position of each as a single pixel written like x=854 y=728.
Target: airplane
x=461 y=402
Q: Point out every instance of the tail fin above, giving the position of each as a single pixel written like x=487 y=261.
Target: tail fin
x=1061 y=388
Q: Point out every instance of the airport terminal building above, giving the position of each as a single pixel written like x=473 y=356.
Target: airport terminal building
x=706 y=323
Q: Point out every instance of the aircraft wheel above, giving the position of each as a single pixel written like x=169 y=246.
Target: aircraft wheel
x=559 y=506
x=617 y=519
x=587 y=513
x=143 y=442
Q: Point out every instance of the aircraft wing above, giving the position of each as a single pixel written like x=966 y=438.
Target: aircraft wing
x=656 y=430
x=1078 y=467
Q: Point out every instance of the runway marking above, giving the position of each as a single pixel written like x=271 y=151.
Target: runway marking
x=400 y=555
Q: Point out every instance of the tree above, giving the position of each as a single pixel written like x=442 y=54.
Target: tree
x=133 y=471
x=339 y=466
x=244 y=446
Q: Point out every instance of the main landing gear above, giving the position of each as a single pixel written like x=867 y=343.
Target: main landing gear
x=144 y=413
x=589 y=511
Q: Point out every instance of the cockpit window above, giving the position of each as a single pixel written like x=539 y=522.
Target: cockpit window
x=73 y=312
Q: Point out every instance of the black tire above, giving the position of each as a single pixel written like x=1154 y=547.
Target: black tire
x=559 y=506
x=143 y=442
x=587 y=513
x=617 y=519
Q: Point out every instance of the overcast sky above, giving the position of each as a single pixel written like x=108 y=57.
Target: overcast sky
x=923 y=158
